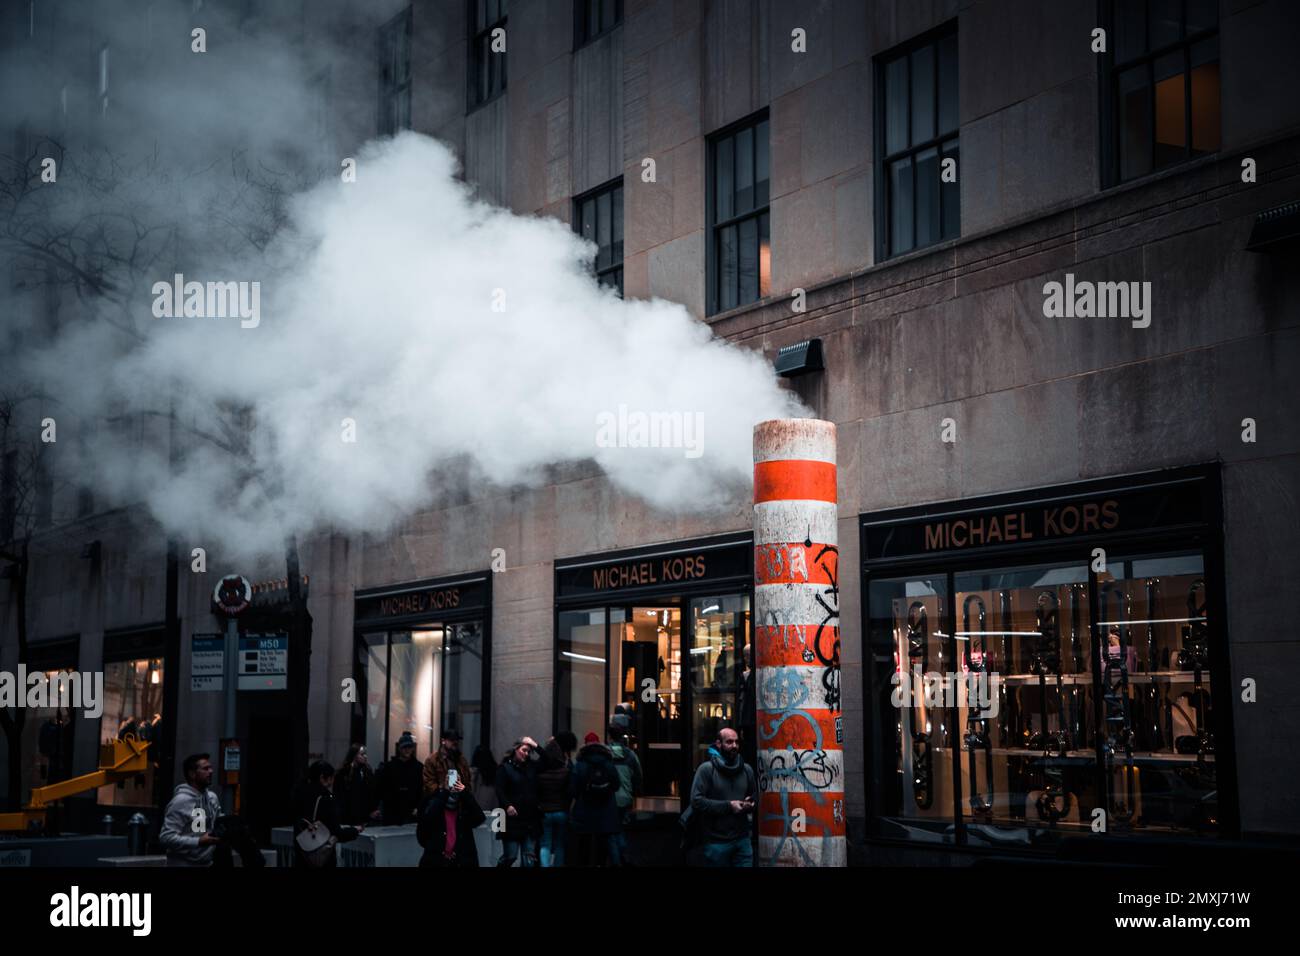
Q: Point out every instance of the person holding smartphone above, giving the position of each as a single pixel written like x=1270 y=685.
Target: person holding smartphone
x=449 y=813
x=723 y=796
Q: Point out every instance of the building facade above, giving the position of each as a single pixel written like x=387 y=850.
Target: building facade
x=1087 y=489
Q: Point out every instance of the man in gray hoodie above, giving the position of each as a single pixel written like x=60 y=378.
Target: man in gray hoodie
x=722 y=797
x=191 y=816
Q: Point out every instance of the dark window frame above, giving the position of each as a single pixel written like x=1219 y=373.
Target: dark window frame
x=476 y=37
x=713 y=227
x=611 y=187
x=580 y=35
x=1108 y=92
x=941 y=141
x=403 y=26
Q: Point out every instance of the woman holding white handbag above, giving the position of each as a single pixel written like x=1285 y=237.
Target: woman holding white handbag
x=316 y=829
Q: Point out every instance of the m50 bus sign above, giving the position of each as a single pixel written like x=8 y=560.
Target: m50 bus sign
x=263 y=661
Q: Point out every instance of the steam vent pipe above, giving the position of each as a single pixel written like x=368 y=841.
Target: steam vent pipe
x=797 y=645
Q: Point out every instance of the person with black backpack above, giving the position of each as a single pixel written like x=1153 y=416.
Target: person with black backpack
x=596 y=817
x=723 y=795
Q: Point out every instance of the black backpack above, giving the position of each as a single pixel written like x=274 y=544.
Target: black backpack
x=602 y=782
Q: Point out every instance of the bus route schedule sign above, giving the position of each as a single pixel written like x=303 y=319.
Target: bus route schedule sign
x=263 y=661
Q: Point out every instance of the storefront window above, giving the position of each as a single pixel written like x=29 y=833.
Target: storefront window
x=423 y=679
x=910 y=639
x=1031 y=764
x=413 y=687
x=462 y=680
x=1070 y=634
x=1159 y=743
x=423 y=651
x=133 y=707
x=659 y=637
x=373 y=654
x=646 y=677
x=46 y=744
x=720 y=628
x=580 y=672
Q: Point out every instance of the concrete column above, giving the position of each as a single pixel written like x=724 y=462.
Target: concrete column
x=797 y=645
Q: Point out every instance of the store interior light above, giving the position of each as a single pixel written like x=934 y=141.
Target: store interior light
x=1158 y=620
x=582 y=657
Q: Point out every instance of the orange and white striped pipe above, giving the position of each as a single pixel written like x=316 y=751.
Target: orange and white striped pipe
x=797 y=645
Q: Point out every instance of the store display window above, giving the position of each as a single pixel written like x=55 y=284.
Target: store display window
x=1043 y=668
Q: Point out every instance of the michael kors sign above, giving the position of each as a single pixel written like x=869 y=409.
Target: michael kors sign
x=641 y=573
x=1012 y=526
x=421 y=599
x=1043 y=517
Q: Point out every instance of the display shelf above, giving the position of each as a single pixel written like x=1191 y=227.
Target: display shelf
x=1134 y=677
x=1146 y=756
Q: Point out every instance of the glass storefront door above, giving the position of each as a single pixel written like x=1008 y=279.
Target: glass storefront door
x=719 y=635
x=646 y=678
x=674 y=666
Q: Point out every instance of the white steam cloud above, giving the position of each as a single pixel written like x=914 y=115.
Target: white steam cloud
x=377 y=306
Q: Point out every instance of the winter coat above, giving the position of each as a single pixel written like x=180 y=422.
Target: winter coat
x=594 y=811
x=553 y=781
x=355 y=795
x=314 y=802
x=181 y=827
x=629 y=774
x=399 y=790
x=435 y=771
x=517 y=787
x=433 y=830
x=716 y=784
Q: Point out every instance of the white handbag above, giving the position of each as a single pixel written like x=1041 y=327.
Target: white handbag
x=315 y=840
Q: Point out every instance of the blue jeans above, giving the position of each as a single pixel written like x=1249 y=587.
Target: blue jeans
x=732 y=853
x=511 y=846
x=555 y=831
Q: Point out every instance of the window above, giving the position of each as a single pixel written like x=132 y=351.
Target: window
x=740 y=251
x=607 y=657
x=595 y=18
x=916 y=131
x=487 y=53
x=133 y=707
x=598 y=218
x=47 y=739
x=395 y=74
x=1016 y=690
x=1161 y=105
x=659 y=638
x=421 y=680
